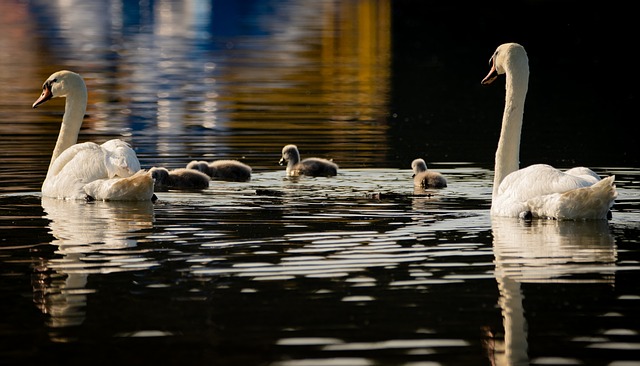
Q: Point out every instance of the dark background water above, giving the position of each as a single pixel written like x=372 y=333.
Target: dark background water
x=581 y=94
x=320 y=271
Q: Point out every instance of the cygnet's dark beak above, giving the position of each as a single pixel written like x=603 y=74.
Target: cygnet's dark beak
x=282 y=161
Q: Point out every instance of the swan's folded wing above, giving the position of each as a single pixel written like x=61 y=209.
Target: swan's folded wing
x=120 y=159
x=592 y=202
x=539 y=180
x=138 y=187
x=84 y=162
x=75 y=167
x=584 y=173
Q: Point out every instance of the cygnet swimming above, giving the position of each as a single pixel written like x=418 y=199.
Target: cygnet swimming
x=229 y=170
x=180 y=178
x=426 y=178
x=316 y=167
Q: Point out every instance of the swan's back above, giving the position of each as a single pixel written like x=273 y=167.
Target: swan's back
x=121 y=160
x=539 y=179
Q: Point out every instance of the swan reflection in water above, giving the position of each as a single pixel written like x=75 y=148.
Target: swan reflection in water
x=91 y=237
x=543 y=251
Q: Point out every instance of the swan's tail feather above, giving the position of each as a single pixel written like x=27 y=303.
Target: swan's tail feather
x=593 y=202
x=138 y=187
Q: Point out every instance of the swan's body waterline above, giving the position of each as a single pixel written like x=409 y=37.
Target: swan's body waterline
x=110 y=171
x=538 y=190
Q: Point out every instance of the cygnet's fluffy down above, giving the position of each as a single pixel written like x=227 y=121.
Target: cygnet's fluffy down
x=180 y=178
x=426 y=178
x=316 y=167
x=229 y=170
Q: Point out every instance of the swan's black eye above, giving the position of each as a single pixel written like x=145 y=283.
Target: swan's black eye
x=49 y=83
x=493 y=58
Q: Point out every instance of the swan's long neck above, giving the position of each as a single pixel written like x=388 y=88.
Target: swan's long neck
x=508 y=152
x=75 y=107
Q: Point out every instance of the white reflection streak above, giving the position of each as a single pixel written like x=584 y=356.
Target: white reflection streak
x=85 y=25
x=544 y=251
x=86 y=234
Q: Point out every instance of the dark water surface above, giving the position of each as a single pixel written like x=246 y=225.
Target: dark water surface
x=357 y=269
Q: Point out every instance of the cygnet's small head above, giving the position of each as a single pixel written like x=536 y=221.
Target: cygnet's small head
x=60 y=84
x=507 y=56
x=418 y=166
x=290 y=155
x=160 y=175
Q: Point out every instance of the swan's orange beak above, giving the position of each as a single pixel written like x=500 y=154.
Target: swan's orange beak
x=46 y=95
x=491 y=76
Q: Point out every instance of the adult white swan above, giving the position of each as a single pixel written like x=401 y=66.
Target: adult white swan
x=538 y=190
x=110 y=171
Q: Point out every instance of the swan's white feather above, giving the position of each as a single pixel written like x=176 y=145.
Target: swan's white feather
x=73 y=169
x=548 y=192
x=590 y=202
x=585 y=173
x=121 y=160
x=133 y=188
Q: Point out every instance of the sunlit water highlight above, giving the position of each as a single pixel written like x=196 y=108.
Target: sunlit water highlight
x=326 y=252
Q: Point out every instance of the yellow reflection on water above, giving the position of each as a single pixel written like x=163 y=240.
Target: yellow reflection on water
x=331 y=65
